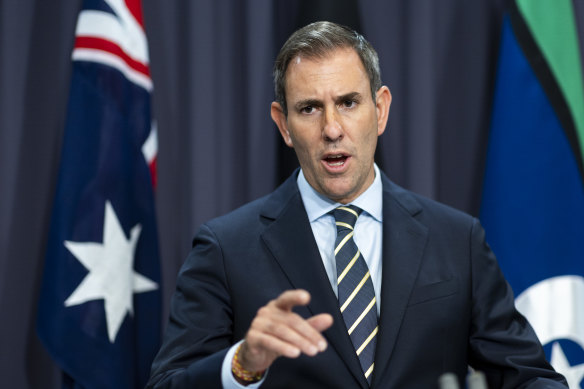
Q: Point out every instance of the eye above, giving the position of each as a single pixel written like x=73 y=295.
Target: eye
x=349 y=103
x=307 y=110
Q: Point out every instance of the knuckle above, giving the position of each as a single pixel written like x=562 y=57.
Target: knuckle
x=263 y=311
x=257 y=323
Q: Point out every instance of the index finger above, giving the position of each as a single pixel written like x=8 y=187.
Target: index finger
x=291 y=298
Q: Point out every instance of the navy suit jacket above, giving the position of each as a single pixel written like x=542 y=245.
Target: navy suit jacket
x=444 y=302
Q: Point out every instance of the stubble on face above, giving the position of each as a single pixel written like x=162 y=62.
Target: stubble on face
x=332 y=123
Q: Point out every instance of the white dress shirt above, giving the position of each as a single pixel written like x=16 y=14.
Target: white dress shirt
x=368 y=229
x=367 y=236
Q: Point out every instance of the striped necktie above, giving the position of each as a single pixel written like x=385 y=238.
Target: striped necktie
x=356 y=294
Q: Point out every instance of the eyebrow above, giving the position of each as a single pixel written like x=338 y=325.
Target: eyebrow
x=348 y=96
x=318 y=103
x=308 y=102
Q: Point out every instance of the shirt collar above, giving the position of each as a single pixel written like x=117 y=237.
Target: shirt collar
x=318 y=205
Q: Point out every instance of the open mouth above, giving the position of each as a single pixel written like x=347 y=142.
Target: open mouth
x=336 y=160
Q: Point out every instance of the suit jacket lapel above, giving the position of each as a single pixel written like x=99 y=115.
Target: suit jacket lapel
x=289 y=238
x=404 y=240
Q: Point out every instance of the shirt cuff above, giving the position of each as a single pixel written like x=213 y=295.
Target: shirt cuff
x=227 y=379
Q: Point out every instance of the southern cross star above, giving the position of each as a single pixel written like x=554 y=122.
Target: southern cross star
x=111 y=274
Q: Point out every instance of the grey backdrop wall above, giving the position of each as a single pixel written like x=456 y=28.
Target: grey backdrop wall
x=211 y=65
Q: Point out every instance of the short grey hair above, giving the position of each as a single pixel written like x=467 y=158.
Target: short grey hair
x=317 y=40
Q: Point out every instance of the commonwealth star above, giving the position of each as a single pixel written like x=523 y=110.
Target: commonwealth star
x=111 y=274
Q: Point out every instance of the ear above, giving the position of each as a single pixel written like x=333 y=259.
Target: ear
x=382 y=103
x=281 y=121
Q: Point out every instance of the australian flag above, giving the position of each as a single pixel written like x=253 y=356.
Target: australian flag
x=99 y=307
x=533 y=195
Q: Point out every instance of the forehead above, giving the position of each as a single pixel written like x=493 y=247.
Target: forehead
x=342 y=68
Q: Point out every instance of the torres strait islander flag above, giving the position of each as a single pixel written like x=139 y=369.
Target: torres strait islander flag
x=99 y=307
x=533 y=195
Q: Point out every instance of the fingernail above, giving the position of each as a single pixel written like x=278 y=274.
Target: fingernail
x=312 y=350
x=322 y=345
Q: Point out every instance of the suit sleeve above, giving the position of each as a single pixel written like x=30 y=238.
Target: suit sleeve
x=199 y=332
x=502 y=343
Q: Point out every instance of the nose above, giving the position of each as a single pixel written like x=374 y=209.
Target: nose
x=332 y=129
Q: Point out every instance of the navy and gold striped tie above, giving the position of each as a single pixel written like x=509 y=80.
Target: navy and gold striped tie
x=356 y=294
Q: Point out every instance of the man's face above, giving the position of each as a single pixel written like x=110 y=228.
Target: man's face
x=333 y=122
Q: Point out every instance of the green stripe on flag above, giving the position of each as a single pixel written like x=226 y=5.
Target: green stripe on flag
x=552 y=23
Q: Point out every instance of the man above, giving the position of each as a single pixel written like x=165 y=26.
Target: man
x=340 y=278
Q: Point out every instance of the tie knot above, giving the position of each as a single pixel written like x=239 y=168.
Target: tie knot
x=346 y=216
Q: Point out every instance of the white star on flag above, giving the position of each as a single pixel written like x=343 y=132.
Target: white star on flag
x=573 y=374
x=111 y=272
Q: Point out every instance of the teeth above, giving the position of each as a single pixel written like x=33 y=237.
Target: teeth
x=335 y=160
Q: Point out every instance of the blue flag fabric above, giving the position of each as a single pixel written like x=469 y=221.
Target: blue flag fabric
x=533 y=194
x=99 y=307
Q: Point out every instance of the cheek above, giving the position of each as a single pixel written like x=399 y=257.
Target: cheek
x=366 y=137
x=304 y=139
x=302 y=146
x=367 y=147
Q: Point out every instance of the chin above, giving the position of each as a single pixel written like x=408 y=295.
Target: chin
x=338 y=195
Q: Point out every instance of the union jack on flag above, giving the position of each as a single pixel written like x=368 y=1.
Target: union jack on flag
x=99 y=308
